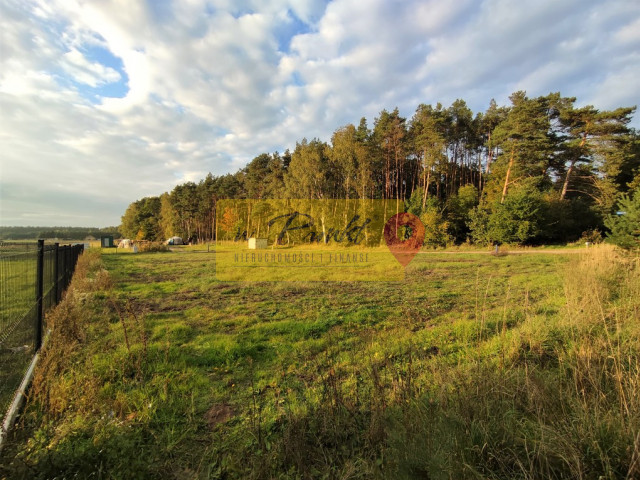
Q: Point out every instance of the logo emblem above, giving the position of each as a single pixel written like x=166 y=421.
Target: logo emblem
x=404 y=249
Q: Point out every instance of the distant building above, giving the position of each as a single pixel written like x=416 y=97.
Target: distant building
x=106 y=241
x=257 y=243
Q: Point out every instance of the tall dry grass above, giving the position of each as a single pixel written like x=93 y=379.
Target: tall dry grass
x=52 y=388
x=602 y=358
x=560 y=401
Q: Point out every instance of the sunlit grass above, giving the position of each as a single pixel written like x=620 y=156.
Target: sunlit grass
x=473 y=365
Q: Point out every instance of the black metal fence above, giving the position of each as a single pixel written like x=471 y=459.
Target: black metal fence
x=33 y=277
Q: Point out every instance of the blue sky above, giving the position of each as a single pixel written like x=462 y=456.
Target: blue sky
x=104 y=102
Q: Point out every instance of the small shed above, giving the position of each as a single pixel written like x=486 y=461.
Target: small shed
x=106 y=241
x=174 y=241
x=257 y=243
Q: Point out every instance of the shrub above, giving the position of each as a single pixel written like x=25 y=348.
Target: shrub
x=625 y=228
x=146 y=247
x=517 y=220
x=591 y=236
x=459 y=208
x=435 y=226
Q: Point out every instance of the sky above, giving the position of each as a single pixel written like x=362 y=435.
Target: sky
x=105 y=102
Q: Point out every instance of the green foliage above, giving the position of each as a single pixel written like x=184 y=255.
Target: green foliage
x=309 y=173
x=435 y=225
x=578 y=159
x=344 y=157
x=625 y=228
x=256 y=175
x=566 y=220
x=66 y=233
x=168 y=217
x=428 y=134
x=391 y=163
x=517 y=220
x=141 y=221
x=414 y=204
x=459 y=208
x=627 y=177
x=148 y=247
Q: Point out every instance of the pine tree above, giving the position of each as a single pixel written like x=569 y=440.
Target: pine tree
x=344 y=159
x=625 y=225
x=592 y=134
x=525 y=141
x=429 y=144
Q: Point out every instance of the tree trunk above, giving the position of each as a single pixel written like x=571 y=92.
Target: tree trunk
x=425 y=194
x=489 y=154
x=506 y=179
x=565 y=185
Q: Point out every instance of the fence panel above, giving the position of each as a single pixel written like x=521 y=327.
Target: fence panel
x=22 y=307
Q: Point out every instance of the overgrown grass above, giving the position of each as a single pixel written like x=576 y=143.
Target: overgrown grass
x=561 y=398
x=518 y=366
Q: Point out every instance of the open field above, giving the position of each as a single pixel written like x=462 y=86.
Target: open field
x=474 y=366
x=17 y=316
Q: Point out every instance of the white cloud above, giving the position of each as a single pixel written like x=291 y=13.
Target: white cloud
x=82 y=70
x=629 y=35
x=211 y=84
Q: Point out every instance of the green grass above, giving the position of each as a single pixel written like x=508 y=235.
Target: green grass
x=18 y=313
x=17 y=318
x=475 y=366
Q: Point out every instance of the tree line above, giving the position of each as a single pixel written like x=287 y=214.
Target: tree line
x=65 y=233
x=539 y=170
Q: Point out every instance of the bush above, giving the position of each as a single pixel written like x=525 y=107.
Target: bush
x=566 y=220
x=146 y=247
x=625 y=228
x=517 y=220
x=591 y=236
x=459 y=208
x=435 y=226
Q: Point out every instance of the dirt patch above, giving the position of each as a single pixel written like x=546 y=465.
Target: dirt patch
x=145 y=277
x=219 y=413
x=188 y=295
x=143 y=306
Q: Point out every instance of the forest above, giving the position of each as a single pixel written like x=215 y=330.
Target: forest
x=538 y=171
x=62 y=233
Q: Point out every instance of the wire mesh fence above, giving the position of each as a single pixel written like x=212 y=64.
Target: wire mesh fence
x=33 y=277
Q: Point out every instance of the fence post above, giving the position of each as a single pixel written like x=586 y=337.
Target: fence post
x=39 y=291
x=56 y=274
x=67 y=266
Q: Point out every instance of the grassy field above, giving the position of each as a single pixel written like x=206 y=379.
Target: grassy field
x=17 y=317
x=18 y=312
x=474 y=366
